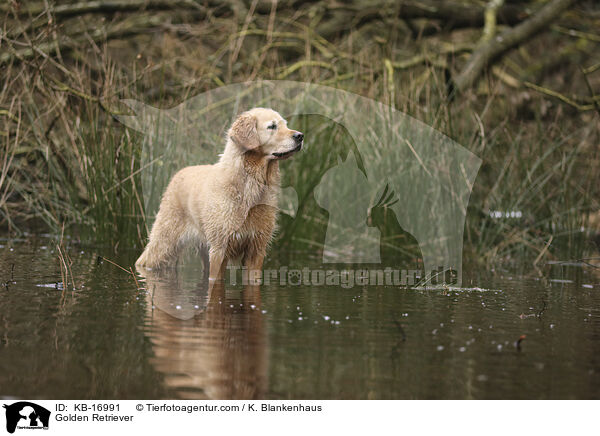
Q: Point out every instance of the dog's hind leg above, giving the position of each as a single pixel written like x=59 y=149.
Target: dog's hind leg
x=218 y=264
x=165 y=238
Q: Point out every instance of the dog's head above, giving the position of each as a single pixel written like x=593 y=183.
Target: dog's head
x=265 y=131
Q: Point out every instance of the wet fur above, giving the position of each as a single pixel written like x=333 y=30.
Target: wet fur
x=229 y=207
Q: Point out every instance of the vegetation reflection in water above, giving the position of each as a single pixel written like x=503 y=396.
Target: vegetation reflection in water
x=174 y=339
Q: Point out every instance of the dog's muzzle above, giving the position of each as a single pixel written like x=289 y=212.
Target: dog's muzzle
x=299 y=140
x=298 y=137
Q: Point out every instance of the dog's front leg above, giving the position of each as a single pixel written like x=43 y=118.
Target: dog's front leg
x=254 y=264
x=218 y=264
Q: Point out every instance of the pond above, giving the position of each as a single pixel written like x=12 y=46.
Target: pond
x=113 y=336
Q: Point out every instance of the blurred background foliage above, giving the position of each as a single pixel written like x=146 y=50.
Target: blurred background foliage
x=515 y=82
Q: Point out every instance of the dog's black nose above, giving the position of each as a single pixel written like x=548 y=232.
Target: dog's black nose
x=298 y=137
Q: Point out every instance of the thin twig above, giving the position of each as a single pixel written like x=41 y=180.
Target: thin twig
x=561 y=97
x=128 y=271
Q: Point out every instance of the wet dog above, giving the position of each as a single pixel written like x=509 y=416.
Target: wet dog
x=229 y=207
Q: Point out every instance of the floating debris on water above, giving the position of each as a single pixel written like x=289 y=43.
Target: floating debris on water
x=561 y=281
x=57 y=285
x=447 y=288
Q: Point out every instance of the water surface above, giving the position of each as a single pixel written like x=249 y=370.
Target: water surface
x=167 y=336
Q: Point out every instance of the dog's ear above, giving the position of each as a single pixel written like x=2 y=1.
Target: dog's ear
x=243 y=131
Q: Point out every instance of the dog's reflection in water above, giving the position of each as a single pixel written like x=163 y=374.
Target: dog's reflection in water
x=207 y=346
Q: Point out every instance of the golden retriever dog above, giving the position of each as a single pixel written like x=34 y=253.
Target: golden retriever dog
x=229 y=207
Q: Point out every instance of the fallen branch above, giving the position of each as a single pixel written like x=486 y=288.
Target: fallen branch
x=101 y=7
x=454 y=13
x=561 y=97
x=71 y=42
x=493 y=49
x=338 y=17
x=458 y=15
x=342 y=16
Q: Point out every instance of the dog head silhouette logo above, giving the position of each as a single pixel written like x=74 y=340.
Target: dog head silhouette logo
x=24 y=414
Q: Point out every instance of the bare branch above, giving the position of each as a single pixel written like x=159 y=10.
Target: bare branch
x=493 y=49
x=103 y=6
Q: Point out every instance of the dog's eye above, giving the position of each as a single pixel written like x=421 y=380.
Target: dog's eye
x=272 y=126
